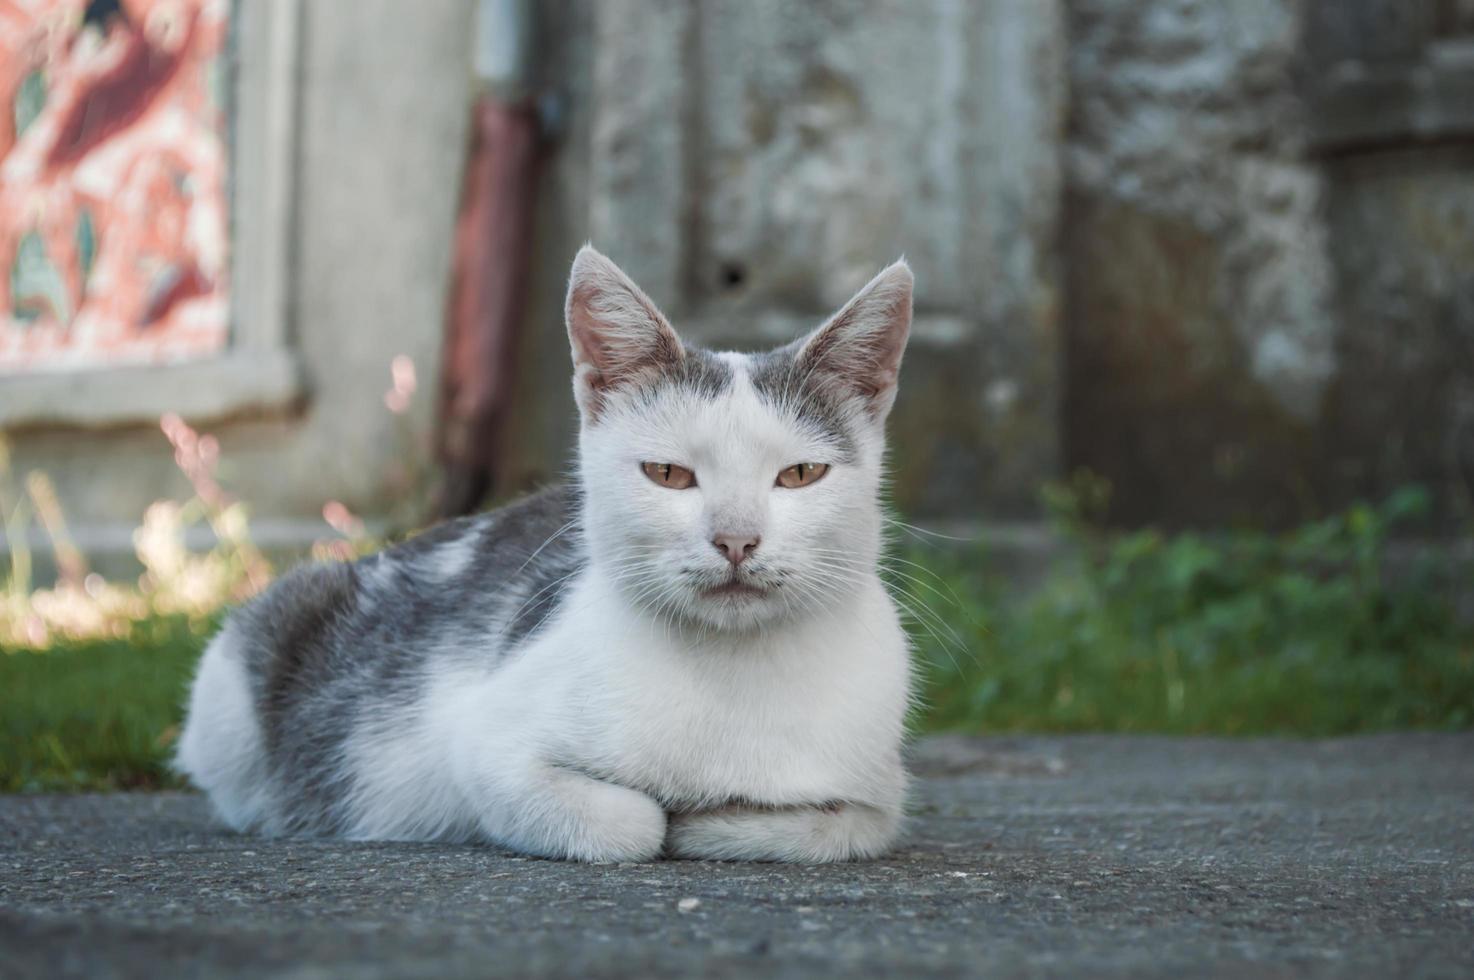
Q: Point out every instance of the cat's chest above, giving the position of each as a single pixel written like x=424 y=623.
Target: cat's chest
x=789 y=725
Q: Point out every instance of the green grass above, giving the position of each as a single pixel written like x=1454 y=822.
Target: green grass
x=1246 y=633
x=95 y=715
x=1237 y=634
x=1080 y=657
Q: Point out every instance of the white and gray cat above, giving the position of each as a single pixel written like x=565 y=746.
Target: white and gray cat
x=689 y=653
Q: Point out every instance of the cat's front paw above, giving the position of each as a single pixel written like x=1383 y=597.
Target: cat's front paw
x=800 y=834
x=615 y=824
x=561 y=813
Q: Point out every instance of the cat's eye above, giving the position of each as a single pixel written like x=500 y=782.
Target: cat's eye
x=802 y=474
x=670 y=475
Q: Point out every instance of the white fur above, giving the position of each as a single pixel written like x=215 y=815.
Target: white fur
x=395 y=795
x=563 y=751
x=782 y=702
x=221 y=749
x=767 y=727
x=449 y=561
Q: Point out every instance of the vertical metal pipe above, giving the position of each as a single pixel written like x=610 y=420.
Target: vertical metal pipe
x=491 y=256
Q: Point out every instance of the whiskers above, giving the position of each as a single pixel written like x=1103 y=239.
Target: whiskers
x=922 y=534
x=667 y=588
x=908 y=583
x=626 y=570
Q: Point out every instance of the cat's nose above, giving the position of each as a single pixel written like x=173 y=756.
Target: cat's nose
x=737 y=547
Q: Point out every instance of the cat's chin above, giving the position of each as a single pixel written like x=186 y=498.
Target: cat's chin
x=737 y=607
x=735 y=591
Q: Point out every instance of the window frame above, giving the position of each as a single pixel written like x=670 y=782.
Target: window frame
x=257 y=369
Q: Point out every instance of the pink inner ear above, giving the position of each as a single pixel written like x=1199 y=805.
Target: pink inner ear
x=584 y=329
x=862 y=345
x=867 y=358
x=616 y=332
x=620 y=353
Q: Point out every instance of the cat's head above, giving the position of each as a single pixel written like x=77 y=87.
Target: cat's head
x=732 y=490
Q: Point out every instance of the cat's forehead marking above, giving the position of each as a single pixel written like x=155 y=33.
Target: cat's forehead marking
x=698 y=373
x=734 y=361
x=780 y=381
x=774 y=379
x=705 y=373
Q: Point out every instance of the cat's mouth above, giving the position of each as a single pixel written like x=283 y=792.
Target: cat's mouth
x=734 y=589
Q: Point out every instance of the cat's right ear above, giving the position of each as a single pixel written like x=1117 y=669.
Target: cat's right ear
x=618 y=335
x=859 y=350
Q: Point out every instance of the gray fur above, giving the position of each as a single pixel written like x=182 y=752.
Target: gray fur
x=413 y=694
x=330 y=645
x=703 y=372
x=780 y=378
x=700 y=371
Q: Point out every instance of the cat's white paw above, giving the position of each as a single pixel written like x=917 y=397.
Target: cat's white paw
x=803 y=835
x=613 y=824
x=554 y=812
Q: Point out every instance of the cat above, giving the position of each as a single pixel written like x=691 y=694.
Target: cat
x=688 y=653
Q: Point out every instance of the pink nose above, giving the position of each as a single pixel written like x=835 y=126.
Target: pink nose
x=737 y=547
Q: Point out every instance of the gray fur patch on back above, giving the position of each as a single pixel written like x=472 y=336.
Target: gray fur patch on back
x=329 y=645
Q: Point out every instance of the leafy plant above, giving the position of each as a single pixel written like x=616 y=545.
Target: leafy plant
x=1304 y=632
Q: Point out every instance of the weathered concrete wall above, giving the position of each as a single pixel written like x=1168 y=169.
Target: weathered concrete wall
x=753 y=163
x=383 y=98
x=1201 y=335
x=1244 y=230
x=1393 y=124
x=1401 y=408
x=1224 y=255
x=1268 y=312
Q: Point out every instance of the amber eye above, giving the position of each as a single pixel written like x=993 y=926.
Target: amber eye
x=802 y=474
x=670 y=475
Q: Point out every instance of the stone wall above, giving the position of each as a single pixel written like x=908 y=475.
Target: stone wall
x=1222 y=253
x=1235 y=283
x=1201 y=336
x=1401 y=408
x=751 y=164
x=1393 y=129
x=1268 y=259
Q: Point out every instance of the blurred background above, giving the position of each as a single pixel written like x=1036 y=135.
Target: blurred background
x=1193 y=357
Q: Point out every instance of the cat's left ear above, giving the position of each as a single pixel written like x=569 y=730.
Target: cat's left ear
x=618 y=336
x=859 y=349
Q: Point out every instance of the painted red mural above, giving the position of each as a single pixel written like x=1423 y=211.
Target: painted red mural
x=113 y=220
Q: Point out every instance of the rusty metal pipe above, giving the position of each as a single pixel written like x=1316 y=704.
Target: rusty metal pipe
x=491 y=258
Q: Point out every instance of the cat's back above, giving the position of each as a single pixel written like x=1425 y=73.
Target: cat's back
x=283 y=688
x=481 y=576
